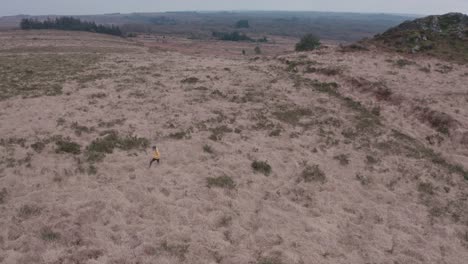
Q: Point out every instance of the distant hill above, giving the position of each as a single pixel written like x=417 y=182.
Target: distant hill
x=341 y=27
x=444 y=36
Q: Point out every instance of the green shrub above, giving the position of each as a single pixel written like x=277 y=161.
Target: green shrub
x=262 y=167
x=98 y=148
x=67 y=146
x=222 y=182
x=308 y=42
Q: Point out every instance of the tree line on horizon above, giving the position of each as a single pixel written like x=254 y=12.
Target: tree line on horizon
x=69 y=23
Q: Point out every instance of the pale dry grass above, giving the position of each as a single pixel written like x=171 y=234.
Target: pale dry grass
x=261 y=163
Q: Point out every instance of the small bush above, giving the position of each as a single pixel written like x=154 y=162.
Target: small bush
x=313 y=174
x=308 y=42
x=364 y=180
x=262 y=167
x=402 y=63
x=179 y=135
x=105 y=144
x=67 y=146
x=92 y=170
x=133 y=142
x=292 y=116
x=190 y=80
x=3 y=195
x=79 y=129
x=217 y=133
x=38 y=146
x=208 y=149
x=27 y=211
x=343 y=159
x=177 y=250
x=257 y=50
x=426 y=187
x=47 y=234
x=371 y=160
x=383 y=94
x=221 y=182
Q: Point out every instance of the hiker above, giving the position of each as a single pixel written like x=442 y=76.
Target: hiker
x=156 y=156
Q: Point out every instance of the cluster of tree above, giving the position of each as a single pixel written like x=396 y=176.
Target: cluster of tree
x=233 y=36
x=242 y=24
x=69 y=23
x=308 y=42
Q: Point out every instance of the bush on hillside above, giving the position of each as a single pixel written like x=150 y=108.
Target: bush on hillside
x=308 y=42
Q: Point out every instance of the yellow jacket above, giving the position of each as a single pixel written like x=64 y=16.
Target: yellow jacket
x=156 y=154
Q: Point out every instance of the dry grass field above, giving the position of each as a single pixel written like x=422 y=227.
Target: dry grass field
x=328 y=156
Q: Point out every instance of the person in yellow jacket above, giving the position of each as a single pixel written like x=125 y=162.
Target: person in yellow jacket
x=156 y=156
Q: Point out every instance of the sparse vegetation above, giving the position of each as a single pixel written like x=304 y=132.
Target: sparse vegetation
x=308 y=42
x=39 y=74
x=262 y=167
x=313 y=174
x=221 y=182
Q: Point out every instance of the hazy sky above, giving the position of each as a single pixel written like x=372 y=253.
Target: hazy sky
x=77 y=7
